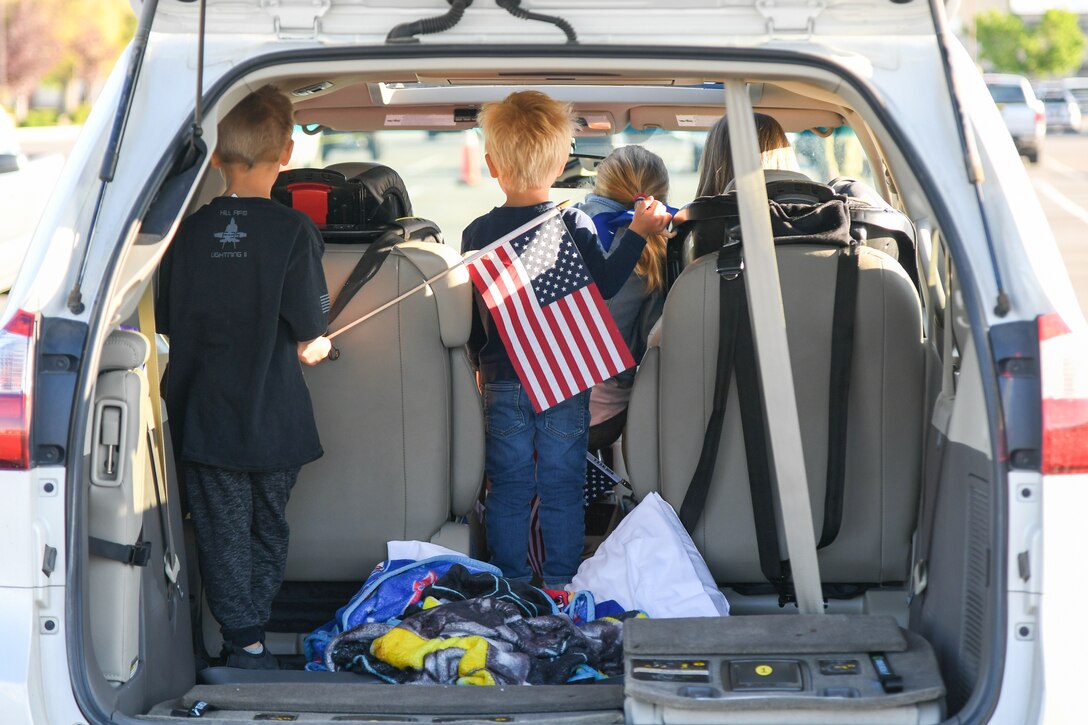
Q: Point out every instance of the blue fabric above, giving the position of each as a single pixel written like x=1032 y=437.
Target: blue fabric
x=558 y=437
x=609 y=216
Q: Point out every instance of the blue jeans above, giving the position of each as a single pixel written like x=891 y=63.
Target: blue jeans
x=558 y=436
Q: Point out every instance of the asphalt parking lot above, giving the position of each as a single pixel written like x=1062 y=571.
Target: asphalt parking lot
x=1061 y=182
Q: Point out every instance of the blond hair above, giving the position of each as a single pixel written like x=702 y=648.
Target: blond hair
x=527 y=136
x=716 y=164
x=257 y=130
x=621 y=176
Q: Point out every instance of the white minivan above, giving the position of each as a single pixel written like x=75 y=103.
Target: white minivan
x=944 y=583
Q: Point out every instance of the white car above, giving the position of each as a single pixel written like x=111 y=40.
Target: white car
x=1062 y=111
x=11 y=156
x=950 y=592
x=1024 y=114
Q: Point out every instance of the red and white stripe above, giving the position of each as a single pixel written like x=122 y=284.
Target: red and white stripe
x=557 y=351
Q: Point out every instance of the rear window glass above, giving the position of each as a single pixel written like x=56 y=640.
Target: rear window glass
x=1006 y=93
x=432 y=164
x=826 y=156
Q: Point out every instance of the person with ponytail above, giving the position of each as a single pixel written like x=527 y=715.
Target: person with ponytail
x=627 y=174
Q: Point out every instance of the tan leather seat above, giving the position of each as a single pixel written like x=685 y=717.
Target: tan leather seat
x=120 y=484
x=672 y=401
x=399 y=416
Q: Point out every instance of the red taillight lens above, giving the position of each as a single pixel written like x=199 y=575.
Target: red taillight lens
x=1040 y=117
x=16 y=350
x=1064 y=356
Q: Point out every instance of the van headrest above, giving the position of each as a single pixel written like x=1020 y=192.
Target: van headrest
x=384 y=195
x=770 y=175
x=124 y=350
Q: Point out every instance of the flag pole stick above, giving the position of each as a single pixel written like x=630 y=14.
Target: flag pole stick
x=467 y=260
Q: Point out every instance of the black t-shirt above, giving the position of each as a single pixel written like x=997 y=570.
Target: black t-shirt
x=609 y=273
x=240 y=285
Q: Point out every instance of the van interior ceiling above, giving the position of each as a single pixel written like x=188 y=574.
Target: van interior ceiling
x=403 y=429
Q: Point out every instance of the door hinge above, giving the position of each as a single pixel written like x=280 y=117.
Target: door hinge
x=790 y=16
x=296 y=19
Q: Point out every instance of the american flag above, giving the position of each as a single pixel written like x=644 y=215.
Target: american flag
x=549 y=313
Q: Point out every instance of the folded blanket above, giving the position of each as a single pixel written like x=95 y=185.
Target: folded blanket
x=482 y=641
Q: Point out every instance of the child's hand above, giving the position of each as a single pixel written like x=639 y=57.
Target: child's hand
x=314 y=351
x=651 y=217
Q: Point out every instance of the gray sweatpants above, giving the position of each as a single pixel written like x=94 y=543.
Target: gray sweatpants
x=241 y=536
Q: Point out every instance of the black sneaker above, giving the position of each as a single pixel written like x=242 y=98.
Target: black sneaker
x=238 y=657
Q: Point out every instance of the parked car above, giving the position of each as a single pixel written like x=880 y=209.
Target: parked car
x=1062 y=111
x=966 y=430
x=1079 y=88
x=1022 y=112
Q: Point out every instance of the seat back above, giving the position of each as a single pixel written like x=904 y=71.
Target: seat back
x=673 y=397
x=399 y=416
x=398 y=411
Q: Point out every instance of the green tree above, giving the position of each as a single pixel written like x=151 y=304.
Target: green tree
x=1053 y=47
x=1059 y=44
x=92 y=33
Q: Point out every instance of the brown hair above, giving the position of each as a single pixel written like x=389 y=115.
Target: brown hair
x=625 y=173
x=527 y=136
x=257 y=130
x=716 y=164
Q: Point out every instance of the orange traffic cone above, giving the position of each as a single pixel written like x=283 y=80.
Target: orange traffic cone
x=470 y=158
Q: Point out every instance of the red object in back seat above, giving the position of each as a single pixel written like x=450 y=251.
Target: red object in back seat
x=312 y=199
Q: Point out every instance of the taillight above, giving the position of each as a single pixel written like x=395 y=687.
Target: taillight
x=16 y=370
x=1064 y=356
x=1040 y=117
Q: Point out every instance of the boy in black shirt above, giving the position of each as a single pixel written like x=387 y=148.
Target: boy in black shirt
x=242 y=297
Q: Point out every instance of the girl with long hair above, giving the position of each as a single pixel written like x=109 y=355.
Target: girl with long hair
x=627 y=174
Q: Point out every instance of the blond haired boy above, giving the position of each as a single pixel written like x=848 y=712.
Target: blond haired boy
x=526 y=143
x=242 y=297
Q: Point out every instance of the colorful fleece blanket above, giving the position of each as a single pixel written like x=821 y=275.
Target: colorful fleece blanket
x=398 y=588
x=482 y=641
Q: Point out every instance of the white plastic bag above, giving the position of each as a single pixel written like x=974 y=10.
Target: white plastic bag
x=417 y=550
x=650 y=563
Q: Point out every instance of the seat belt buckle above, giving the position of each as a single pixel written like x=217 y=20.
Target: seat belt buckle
x=172 y=566
x=730 y=263
x=139 y=554
x=919 y=578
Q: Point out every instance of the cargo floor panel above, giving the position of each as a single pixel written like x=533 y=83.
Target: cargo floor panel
x=424 y=703
x=830 y=668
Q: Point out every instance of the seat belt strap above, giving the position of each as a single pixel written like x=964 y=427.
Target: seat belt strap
x=736 y=350
x=729 y=271
x=775 y=369
x=757 y=455
x=844 y=314
x=138 y=554
x=155 y=440
x=367 y=266
x=939 y=422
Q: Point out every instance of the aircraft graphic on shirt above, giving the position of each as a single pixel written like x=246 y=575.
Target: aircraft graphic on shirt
x=230 y=235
